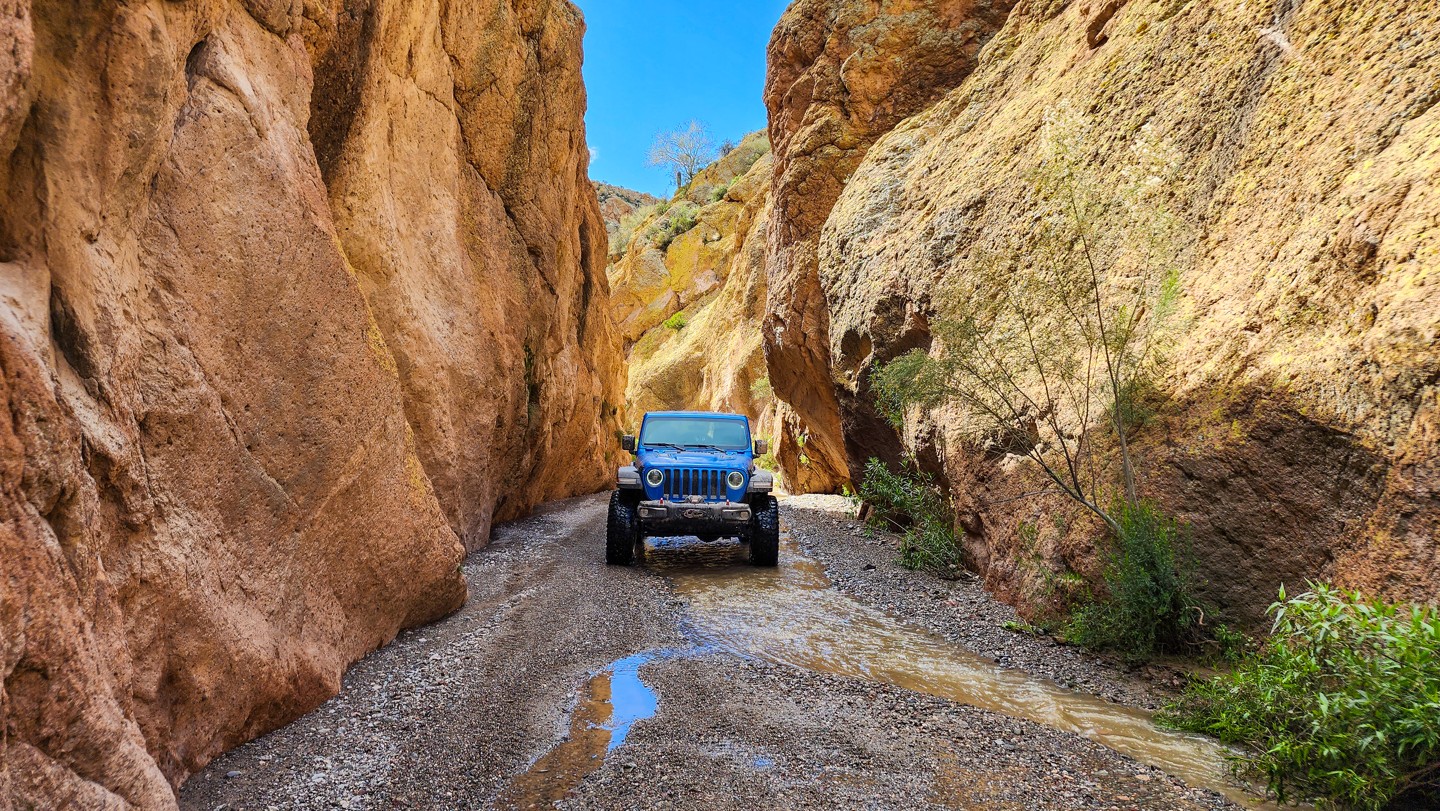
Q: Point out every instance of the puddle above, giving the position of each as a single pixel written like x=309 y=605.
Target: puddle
x=610 y=703
x=791 y=615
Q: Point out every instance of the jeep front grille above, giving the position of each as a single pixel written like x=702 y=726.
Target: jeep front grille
x=683 y=482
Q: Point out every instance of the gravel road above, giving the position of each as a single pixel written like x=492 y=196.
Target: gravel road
x=566 y=683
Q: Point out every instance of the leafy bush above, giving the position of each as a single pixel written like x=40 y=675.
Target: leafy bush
x=914 y=507
x=717 y=193
x=677 y=321
x=1343 y=700
x=1149 y=607
x=1231 y=645
x=760 y=389
x=677 y=220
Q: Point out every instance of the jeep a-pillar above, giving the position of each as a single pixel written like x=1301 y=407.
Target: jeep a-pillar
x=694 y=474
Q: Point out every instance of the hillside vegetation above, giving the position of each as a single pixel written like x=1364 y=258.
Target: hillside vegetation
x=689 y=288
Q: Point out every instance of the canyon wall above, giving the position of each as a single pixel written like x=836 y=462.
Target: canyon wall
x=691 y=307
x=295 y=303
x=1298 y=436
x=841 y=73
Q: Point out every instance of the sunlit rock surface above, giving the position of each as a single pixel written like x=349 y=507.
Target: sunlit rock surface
x=693 y=308
x=1299 y=437
x=294 y=306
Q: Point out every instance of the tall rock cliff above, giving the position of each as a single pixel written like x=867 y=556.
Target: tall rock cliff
x=840 y=74
x=691 y=301
x=1299 y=438
x=295 y=303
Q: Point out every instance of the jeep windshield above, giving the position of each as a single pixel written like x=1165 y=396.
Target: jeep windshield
x=692 y=432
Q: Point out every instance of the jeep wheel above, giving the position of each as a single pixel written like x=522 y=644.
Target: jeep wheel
x=764 y=534
x=622 y=531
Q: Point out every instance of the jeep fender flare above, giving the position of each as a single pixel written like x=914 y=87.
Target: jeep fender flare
x=627 y=478
x=761 y=481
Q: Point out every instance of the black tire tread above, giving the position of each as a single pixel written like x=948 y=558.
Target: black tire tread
x=622 y=531
x=764 y=535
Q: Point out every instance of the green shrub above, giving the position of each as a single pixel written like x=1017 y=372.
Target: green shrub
x=677 y=220
x=1149 y=607
x=909 y=504
x=677 y=321
x=1342 y=701
x=717 y=193
x=1231 y=645
x=760 y=389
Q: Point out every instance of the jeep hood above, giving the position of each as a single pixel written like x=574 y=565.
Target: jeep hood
x=675 y=458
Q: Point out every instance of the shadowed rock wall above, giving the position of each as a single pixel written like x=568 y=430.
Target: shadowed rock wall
x=840 y=74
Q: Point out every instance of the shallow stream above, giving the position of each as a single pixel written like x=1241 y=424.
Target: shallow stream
x=792 y=615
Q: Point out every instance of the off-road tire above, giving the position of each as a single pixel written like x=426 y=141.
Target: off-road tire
x=764 y=534
x=622 y=531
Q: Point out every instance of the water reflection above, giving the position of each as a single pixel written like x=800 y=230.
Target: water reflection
x=612 y=701
x=791 y=615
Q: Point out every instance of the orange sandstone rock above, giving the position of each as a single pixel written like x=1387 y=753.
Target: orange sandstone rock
x=842 y=73
x=292 y=306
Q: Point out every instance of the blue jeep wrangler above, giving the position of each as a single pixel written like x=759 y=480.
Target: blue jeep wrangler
x=694 y=474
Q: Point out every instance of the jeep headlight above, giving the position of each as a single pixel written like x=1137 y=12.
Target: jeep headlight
x=736 y=480
x=654 y=476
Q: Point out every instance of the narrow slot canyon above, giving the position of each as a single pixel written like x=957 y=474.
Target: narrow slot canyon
x=812 y=403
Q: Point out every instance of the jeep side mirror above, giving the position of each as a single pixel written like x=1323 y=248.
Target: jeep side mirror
x=627 y=443
x=761 y=447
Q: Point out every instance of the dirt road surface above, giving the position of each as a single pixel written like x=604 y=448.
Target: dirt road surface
x=695 y=681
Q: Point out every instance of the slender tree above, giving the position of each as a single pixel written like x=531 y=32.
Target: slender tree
x=684 y=151
x=1047 y=336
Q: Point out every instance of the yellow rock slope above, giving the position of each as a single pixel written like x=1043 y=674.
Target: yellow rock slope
x=692 y=307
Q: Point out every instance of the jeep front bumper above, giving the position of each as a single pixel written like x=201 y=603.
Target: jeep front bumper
x=685 y=518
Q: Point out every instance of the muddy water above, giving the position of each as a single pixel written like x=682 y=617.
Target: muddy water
x=609 y=704
x=791 y=615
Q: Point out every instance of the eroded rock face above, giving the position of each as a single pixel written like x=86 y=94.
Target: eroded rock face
x=712 y=279
x=503 y=343
x=840 y=74
x=616 y=204
x=1299 y=440
x=271 y=355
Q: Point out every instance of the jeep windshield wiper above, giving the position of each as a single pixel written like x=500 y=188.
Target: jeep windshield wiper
x=703 y=445
x=664 y=445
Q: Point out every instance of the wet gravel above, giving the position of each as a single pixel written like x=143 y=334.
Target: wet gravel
x=445 y=715
x=862 y=562
x=458 y=713
x=731 y=734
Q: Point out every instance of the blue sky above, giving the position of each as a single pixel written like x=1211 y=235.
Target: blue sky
x=652 y=66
